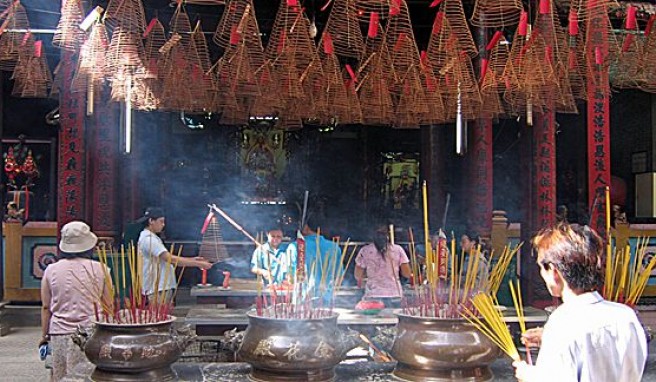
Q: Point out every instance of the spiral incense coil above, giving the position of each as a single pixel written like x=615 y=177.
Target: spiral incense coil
x=627 y=67
x=68 y=34
x=125 y=51
x=496 y=13
x=128 y=15
x=92 y=58
x=435 y=113
x=588 y=9
x=344 y=28
x=375 y=98
x=401 y=41
x=647 y=63
x=459 y=85
x=11 y=41
x=181 y=26
x=337 y=99
x=412 y=103
x=455 y=14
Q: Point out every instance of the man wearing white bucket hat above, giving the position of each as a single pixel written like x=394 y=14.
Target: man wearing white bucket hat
x=69 y=289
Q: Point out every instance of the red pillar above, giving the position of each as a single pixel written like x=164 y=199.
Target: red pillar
x=71 y=172
x=544 y=160
x=598 y=116
x=481 y=178
x=103 y=166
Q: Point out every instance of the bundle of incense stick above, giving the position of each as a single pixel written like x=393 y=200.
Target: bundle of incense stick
x=626 y=273
x=492 y=324
x=305 y=299
x=122 y=301
x=447 y=295
x=516 y=293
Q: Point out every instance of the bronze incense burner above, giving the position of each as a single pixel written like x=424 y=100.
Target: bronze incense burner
x=290 y=349
x=432 y=349
x=133 y=352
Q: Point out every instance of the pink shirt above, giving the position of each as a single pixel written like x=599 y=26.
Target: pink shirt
x=382 y=274
x=74 y=286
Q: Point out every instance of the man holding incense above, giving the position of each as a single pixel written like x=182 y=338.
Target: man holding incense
x=586 y=338
x=271 y=261
x=158 y=264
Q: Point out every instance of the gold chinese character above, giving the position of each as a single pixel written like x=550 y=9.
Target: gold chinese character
x=324 y=350
x=264 y=348
x=292 y=353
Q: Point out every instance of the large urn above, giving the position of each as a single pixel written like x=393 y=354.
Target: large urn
x=432 y=349
x=133 y=352
x=289 y=349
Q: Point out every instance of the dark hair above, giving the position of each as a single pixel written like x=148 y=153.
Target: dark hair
x=473 y=236
x=72 y=255
x=380 y=239
x=576 y=251
x=151 y=213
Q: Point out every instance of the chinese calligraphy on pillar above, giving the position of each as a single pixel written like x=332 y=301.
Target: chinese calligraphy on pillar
x=104 y=168
x=598 y=116
x=71 y=178
x=481 y=174
x=544 y=159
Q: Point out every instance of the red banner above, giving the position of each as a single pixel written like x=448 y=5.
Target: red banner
x=598 y=117
x=544 y=160
x=71 y=179
x=481 y=175
x=103 y=164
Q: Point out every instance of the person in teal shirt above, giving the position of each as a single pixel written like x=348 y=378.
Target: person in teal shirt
x=320 y=254
x=270 y=260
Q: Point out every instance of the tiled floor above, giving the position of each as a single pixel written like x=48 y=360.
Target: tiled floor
x=19 y=356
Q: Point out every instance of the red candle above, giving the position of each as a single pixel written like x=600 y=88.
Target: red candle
x=204 y=277
x=523 y=23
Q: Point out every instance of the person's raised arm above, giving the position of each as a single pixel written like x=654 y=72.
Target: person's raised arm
x=196 y=262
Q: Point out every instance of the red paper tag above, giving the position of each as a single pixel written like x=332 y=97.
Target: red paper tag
x=628 y=40
x=523 y=23
x=437 y=24
x=38 y=46
x=423 y=57
x=395 y=7
x=351 y=73
x=435 y=3
x=573 y=23
x=234 y=35
x=328 y=43
x=150 y=27
x=397 y=46
x=373 y=25
x=599 y=59
x=495 y=39
x=631 y=17
x=292 y=3
x=545 y=7
x=281 y=42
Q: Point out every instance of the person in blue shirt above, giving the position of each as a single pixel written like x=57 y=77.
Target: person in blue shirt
x=271 y=261
x=320 y=254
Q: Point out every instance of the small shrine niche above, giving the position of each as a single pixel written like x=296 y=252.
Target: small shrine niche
x=263 y=158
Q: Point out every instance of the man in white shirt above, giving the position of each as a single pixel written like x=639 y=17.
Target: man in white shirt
x=586 y=338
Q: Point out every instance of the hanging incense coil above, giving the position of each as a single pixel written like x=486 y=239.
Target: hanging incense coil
x=412 y=103
x=92 y=58
x=566 y=102
x=496 y=13
x=313 y=82
x=344 y=28
x=238 y=22
x=492 y=85
x=154 y=42
x=647 y=63
x=11 y=40
x=338 y=105
x=401 y=41
x=595 y=59
x=435 y=113
x=377 y=49
x=128 y=15
x=212 y=245
x=587 y=9
x=455 y=14
x=201 y=81
x=32 y=77
x=547 y=23
x=68 y=34
x=440 y=43
x=460 y=86
x=375 y=98
x=626 y=70
x=125 y=51
x=205 y=2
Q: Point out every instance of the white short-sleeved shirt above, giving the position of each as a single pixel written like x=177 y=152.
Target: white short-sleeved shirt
x=151 y=248
x=592 y=340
